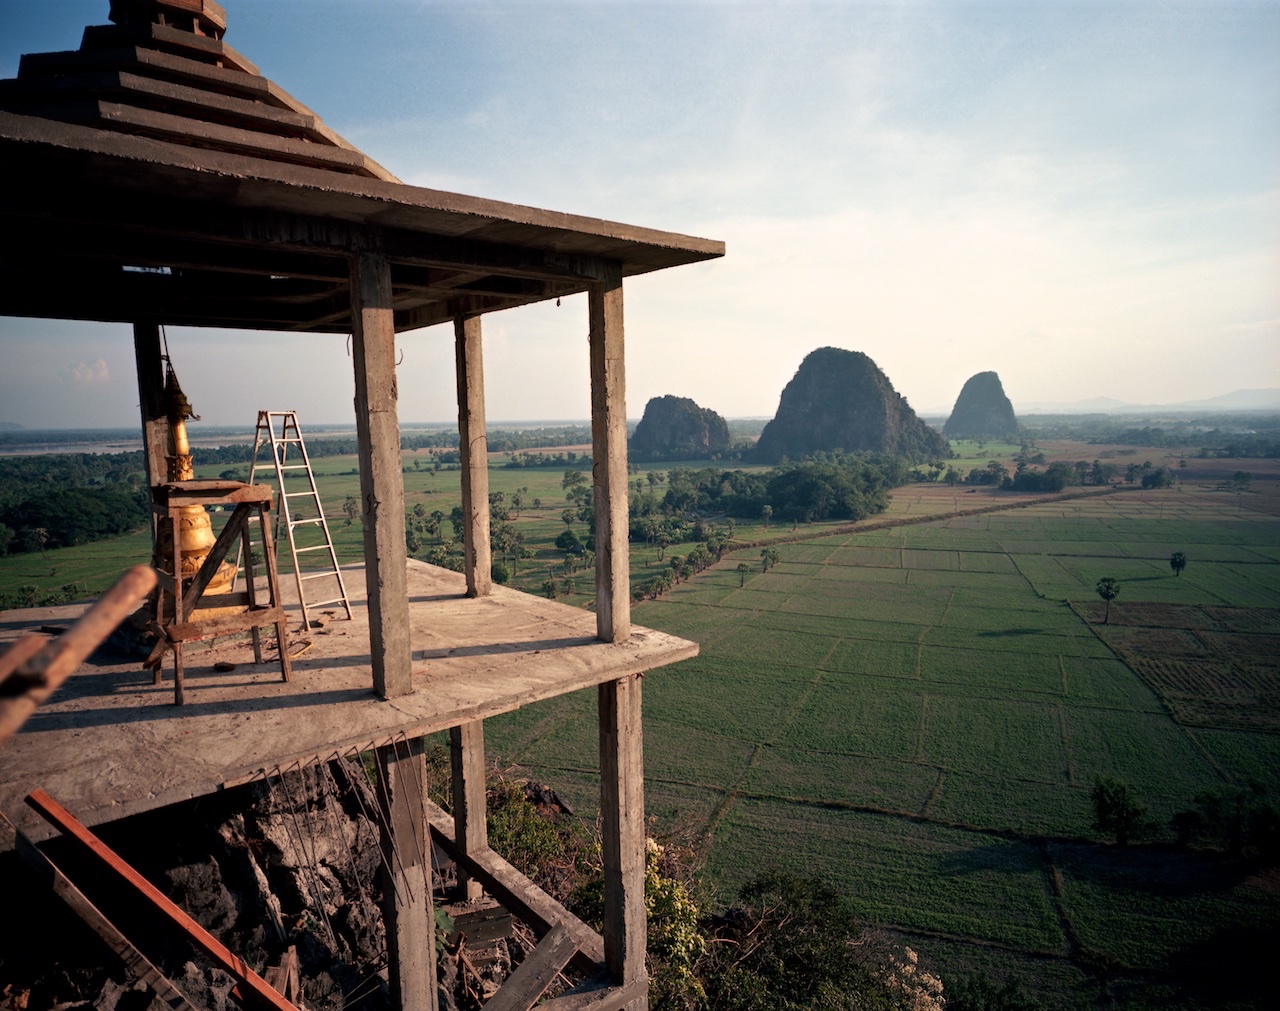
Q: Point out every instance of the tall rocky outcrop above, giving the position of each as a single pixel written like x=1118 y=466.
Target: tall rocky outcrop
x=982 y=411
x=840 y=400
x=677 y=428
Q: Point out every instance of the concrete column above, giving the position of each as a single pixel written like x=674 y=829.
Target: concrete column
x=609 y=456
x=470 y=828
x=381 y=481
x=407 y=910
x=473 y=445
x=622 y=829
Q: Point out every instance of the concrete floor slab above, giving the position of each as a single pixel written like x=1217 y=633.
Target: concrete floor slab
x=109 y=743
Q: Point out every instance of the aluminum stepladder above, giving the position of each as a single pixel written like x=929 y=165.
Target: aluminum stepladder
x=298 y=509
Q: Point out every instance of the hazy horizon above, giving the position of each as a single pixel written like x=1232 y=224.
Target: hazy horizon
x=1081 y=196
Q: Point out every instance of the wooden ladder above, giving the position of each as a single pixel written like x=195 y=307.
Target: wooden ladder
x=298 y=510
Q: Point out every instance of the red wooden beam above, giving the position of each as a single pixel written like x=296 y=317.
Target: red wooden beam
x=60 y=818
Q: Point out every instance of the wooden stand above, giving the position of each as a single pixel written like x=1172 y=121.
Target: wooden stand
x=173 y=632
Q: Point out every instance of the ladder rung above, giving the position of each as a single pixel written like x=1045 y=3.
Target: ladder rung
x=299 y=494
x=298 y=523
x=328 y=573
x=293 y=466
x=335 y=600
x=314 y=547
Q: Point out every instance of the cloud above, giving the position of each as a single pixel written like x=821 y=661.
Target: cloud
x=89 y=374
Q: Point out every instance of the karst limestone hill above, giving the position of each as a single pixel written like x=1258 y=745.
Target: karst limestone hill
x=676 y=428
x=982 y=411
x=840 y=400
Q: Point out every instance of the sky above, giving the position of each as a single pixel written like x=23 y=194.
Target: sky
x=1081 y=196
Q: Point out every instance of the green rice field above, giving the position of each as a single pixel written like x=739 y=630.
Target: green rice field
x=917 y=715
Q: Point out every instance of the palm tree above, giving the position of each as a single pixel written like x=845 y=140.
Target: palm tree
x=1108 y=588
x=743 y=569
x=1178 y=562
x=768 y=557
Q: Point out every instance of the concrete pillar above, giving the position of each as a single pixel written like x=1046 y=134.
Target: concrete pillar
x=473 y=445
x=381 y=481
x=470 y=829
x=622 y=833
x=609 y=456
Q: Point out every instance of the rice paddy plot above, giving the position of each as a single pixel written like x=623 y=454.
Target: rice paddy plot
x=865 y=607
x=1004 y=674
x=1013 y=640
x=769 y=646
x=745 y=709
x=875 y=658
x=854 y=717
x=987 y=561
x=1000 y=737
x=1154 y=908
x=949 y=535
x=1247 y=756
x=1146 y=750
x=1106 y=682
x=800 y=775
x=691 y=619
x=775 y=581
x=975 y=580
x=869 y=575
x=930 y=558
x=857 y=554
x=705 y=759
x=895 y=872
x=1031 y=618
x=1006 y=803
x=1012 y=595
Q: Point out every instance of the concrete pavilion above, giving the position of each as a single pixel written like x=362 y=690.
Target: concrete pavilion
x=154 y=176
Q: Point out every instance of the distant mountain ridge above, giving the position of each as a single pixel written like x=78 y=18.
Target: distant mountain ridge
x=1237 y=400
x=841 y=400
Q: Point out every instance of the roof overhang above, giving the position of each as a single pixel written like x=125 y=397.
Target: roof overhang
x=101 y=225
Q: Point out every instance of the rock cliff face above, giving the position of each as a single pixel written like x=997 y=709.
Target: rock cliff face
x=677 y=428
x=982 y=411
x=841 y=400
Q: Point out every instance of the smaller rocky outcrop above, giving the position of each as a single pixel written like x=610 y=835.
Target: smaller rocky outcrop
x=676 y=428
x=982 y=411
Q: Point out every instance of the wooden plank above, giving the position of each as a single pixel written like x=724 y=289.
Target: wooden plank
x=515 y=891
x=58 y=816
x=113 y=36
x=600 y=995
x=62 y=886
x=381 y=480
x=193 y=631
x=473 y=447
x=609 y=453
x=471 y=830
x=622 y=833
x=407 y=908
x=536 y=973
